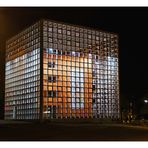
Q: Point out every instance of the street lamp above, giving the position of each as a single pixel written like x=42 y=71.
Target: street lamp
x=145 y=101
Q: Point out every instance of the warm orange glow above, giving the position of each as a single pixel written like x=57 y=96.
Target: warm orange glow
x=63 y=104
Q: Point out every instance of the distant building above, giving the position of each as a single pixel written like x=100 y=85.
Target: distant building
x=58 y=70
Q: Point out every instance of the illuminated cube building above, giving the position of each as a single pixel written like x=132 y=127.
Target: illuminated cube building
x=57 y=70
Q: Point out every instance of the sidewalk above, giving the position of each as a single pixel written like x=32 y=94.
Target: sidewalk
x=136 y=126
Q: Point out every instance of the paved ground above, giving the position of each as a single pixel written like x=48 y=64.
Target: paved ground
x=23 y=131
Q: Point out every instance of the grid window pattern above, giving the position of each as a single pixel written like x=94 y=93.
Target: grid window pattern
x=84 y=65
x=22 y=75
x=57 y=70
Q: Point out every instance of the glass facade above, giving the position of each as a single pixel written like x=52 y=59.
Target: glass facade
x=59 y=70
x=22 y=75
x=80 y=72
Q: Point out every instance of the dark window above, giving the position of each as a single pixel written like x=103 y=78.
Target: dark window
x=51 y=93
x=93 y=73
x=51 y=78
x=94 y=87
x=51 y=64
x=94 y=100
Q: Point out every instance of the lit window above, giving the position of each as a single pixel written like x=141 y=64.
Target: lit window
x=68 y=42
x=49 y=50
x=50 y=39
x=68 y=32
x=59 y=31
x=50 y=29
x=89 y=36
x=97 y=38
x=77 y=44
x=77 y=34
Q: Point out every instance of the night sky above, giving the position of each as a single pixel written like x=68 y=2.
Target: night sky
x=131 y=24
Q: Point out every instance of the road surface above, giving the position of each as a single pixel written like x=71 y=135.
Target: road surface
x=71 y=132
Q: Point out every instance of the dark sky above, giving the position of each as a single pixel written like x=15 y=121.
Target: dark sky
x=131 y=24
